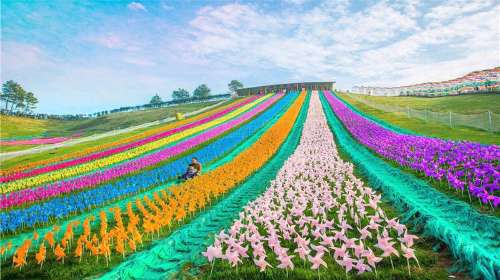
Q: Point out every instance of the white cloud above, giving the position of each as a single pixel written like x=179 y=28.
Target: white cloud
x=382 y=43
x=136 y=6
x=18 y=57
x=456 y=8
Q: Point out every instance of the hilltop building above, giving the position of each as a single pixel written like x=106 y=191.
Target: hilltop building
x=287 y=87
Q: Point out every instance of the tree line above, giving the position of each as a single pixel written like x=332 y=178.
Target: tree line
x=201 y=92
x=19 y=102
x=16 y=99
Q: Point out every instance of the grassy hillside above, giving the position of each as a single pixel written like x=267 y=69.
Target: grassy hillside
x=466 y=104
x=26 y=127
x=21 y=127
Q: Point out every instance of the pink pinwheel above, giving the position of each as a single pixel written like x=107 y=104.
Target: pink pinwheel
x=408 y=239
x=409 y=253
x=389 y=250
x=361 y=267
x=232 y=257
x=319 y=249
x=359 y=249
x=285 y=261
x=340 y=252
x=387 y=247
x=371 y=259
x=350 y=242
x=213 y=252
x=258 y=250
x=364 y=233
x=326 y=241
x=317 y=261
x=347 y=263
x=262 y=264
x=303 y=252
x=339 y=235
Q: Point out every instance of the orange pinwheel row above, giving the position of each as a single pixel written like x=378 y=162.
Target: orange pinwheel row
x=166 y=207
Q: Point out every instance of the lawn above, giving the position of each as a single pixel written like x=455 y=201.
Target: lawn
x=463 y=104
x=466 y=104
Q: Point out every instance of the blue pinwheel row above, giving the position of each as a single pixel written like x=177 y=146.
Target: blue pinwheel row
x=103 y=194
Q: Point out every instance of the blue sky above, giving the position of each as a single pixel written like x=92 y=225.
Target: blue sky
x=87 y=56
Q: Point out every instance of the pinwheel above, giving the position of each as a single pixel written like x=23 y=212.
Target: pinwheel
x=40 y=255
x=59 y=253
x=463 y=165
x=316 y=206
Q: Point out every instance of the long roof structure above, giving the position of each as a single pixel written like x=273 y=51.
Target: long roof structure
x=287 y=87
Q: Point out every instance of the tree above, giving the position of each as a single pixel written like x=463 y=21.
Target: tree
x=9 y=90
x=234 y=85
x=155 y=100
x=201 y=91
x=180 y=94
x=19 y=99
x=30 y=101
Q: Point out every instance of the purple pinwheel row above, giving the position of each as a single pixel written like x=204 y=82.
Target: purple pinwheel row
x=58 y=188
x=122 y=148
x=463 y=165
x=315 y=206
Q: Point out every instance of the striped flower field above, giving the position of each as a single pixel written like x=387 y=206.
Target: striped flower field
x=294 y=185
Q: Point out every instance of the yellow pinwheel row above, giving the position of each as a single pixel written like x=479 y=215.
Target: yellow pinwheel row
x=117 y=158
x=104 y=146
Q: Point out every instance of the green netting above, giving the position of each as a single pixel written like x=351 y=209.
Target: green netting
x=473 y=238
x=186 y=244
x=18 y=239
x=380 y=122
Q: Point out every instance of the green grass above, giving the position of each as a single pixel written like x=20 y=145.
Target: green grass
x=22 y=127
x=463 y=104
x=466 y=104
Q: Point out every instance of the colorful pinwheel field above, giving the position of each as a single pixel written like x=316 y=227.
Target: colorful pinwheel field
x=294 y=185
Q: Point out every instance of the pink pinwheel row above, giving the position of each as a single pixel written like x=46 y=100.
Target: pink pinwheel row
x=315 y=206
x=51 y=190
x=35 y=141
x=122 y=148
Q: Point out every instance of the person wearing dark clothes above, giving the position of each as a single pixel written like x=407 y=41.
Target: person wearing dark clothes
x=193 y=170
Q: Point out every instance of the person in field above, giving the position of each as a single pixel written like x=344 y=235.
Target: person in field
x=193 y=170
